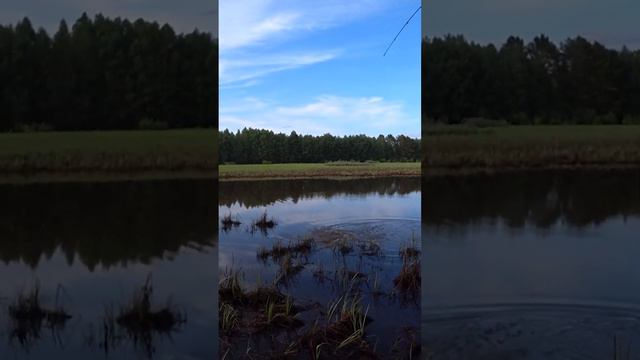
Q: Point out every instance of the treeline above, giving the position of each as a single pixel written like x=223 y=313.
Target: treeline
x=106 y=73
x=254 y=146
x=577 y=81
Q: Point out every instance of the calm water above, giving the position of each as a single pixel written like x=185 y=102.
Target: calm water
x=540 y=265
x=91 y=246
x=384 y=210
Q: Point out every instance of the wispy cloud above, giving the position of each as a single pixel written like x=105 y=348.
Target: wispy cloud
x=251 y=30
x=245 y=71
x=326 y=114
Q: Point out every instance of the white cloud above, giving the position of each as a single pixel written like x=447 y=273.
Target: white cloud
x=246 y=70
x=251 y=30
x=251 y=23
x=326 y=114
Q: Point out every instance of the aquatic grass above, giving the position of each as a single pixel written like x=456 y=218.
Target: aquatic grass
x=409 y=252
x=299 y=247
x=228 y=222
x=370 y=247
x=342 y=246
x=287 y=270
x=229 y=318
x=409 y=278
x=277 y=314
x=263 y=222
x=261 y=295
x=375 y=286
x=141 y=316
x=28 y=315
x=230 y=286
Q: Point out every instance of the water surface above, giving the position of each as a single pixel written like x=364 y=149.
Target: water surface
x=532 y=265
x=91 y=246
x=386 y=211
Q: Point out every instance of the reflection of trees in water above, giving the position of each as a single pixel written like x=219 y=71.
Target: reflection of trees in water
x=262 y=193
x=106 y=223
x=540 y=198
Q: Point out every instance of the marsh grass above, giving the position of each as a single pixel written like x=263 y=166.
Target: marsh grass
x=342 y=246
x=228 y=222
x=28 y=315
x=410 y=251
x=409 y=278
x=288 y=269
x=230 y=287
x=263 y=222
x=142 y=319
x=300 y=247
x=370 y=247
x=229 y=318
x=263 y=322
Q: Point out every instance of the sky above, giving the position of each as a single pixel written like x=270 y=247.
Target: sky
x=183 y=15
x=611 y=22
x=317 y=67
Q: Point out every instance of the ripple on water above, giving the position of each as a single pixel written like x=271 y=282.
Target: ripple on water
x=540 y=330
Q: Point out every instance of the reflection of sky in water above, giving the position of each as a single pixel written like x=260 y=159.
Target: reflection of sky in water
x=162 y=228
x=293 y=219
x=496 y=263
x=491 y=290
x=185 y=280
x=392 y=219
x=323 y=211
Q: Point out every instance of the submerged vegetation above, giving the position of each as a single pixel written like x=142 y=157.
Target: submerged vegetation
x=264 y=321
x=228 y=222
x=28 y=315
x=140 y=321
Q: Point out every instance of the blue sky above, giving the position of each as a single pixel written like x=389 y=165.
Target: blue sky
x=611 y=22
x=317 y=67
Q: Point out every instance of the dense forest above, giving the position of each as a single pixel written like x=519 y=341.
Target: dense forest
x=254 y=146
x=106 y=73
x=577 y=81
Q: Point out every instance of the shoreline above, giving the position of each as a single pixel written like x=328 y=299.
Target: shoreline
x=97 y=177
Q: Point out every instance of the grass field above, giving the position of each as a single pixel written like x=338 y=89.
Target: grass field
x=96 y=153
x=328 y=170
x=451 y=148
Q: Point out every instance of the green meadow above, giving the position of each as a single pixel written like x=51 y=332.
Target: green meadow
x=319 y=170
x=461 y=148
x=103 y=153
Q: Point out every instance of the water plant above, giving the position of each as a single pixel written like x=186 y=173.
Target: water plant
x=28 y=315
x=228 y=222
x=229 y=318
x=141 y=319
x=409 y=278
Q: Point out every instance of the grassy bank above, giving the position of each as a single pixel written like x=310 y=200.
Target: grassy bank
x=460 y=149
x=104 y=154
x=327 y=170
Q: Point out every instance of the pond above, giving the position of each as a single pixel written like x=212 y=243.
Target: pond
x=532 y=265
x=307 y=264
x=114 y=270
